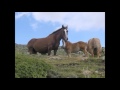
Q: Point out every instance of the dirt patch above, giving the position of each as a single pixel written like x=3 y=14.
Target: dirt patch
x=55 y=58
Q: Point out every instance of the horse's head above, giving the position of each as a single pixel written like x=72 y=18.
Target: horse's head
x=64 y=33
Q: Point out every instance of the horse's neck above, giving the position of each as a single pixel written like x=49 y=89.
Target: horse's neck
x=54 y=37
x=57 y=37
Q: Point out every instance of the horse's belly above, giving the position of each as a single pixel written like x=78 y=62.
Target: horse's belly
x=41 y=49
x=75 y=50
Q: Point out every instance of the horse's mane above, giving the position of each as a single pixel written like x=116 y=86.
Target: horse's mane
x=55 y=32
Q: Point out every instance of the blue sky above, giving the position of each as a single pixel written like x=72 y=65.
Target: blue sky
x=82 y=26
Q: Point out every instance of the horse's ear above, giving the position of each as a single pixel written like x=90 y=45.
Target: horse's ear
x=67 y=26
x=62 y=26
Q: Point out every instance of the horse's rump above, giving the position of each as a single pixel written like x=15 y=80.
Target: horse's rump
x=94 y=46
x=31 y=42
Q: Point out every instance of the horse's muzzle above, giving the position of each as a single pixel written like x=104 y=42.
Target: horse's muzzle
x=67 y=38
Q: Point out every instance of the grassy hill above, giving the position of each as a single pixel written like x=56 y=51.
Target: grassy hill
x=60 y=66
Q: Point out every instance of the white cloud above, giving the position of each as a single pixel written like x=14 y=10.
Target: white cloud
x=75 y=20
x=19 y=15
x=34 y=26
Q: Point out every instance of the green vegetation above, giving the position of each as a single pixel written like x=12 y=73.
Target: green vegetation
x=30 y=67
x=60 y=66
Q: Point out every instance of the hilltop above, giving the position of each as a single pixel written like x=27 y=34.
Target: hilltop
x=60 y=66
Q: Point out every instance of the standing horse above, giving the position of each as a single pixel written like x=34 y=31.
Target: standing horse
x=46 y=44
x=94 y=47
x=74 y=47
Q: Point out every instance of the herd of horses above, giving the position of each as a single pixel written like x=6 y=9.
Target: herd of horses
x=52 y=42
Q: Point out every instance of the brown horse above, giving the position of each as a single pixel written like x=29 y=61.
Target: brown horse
x=46 y=44
x=94 y=47
x=74 y=47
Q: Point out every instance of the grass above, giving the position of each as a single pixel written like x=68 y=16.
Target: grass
x=60 y=66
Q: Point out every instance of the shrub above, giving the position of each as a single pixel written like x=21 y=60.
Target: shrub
x=29 y=67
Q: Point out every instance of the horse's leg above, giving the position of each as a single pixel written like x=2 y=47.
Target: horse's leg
x=86 y=53
x=69 y=53
x=92 y=53
x=98 y=54
x=49 y=52
x=34 y=52
x=31 y=50
x=55 y=51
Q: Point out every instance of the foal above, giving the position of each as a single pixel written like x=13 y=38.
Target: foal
x=74 y=47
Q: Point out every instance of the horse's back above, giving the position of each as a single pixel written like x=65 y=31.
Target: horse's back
x=73 y=47
x=42 y=42
x=82 y=44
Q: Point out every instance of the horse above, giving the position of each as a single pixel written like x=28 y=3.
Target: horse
x=74 y=47
x=94 y=47
x=49 y=43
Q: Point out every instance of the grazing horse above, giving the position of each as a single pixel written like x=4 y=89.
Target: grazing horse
x=46 y=44
x=74 y=47
x=94 y=47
